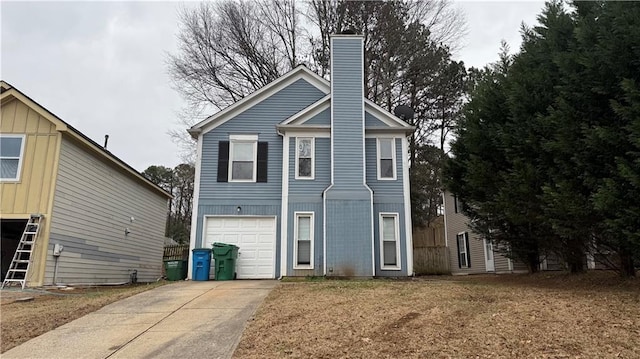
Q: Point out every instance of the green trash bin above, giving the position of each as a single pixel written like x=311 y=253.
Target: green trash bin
x=175 y=269
x=225 y=256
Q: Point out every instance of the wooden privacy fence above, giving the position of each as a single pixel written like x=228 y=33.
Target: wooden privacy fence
x=176 y=252
x=431 y=260
x=430 y=235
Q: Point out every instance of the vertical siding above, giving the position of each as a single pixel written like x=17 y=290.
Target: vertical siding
x=316 y=208
x=31 y=194
x=390 y=208
x=93 y=205
x=323 y=118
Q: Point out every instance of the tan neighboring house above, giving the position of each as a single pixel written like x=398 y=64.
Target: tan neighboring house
x=469 y=253
x=106 y=217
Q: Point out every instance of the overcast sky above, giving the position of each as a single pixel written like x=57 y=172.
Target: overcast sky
x=101 y=66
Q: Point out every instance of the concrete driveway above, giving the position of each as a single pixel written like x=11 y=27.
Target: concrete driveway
x=179 y=320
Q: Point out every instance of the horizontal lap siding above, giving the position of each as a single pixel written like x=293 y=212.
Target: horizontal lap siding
x=258 y=120
x=348 y=122
x=323 y=118
x=384 y=191
x=223 y=198
x=93 y=205
x=372 y=121
x=306 y=195
x=456 y=223
x=310 y=190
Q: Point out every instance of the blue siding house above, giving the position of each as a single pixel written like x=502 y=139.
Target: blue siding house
x=307 y=177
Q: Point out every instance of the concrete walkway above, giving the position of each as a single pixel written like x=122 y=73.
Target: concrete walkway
x=179 y=320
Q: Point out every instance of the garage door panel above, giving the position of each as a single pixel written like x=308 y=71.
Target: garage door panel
x=256 y=237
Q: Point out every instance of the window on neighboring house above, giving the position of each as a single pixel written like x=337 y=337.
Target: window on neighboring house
x=464 y=259
x=386 y=159
x=304 y=157
x=11 y=154
x=390 y=241
x=304 y=240
x=457 y=206
x=242 y=159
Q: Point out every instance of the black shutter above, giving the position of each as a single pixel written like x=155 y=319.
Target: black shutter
x=223 y=161
x=263 y=155
x=458 y=246
x=466 y=242
x=455 y=204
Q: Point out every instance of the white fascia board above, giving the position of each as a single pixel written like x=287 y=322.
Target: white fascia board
x=300 y=72
x=309 y=112
x=407 y=205
x=194 y=210
x=384 y=115
x=284 y=232
x=386 y=132
x=306 y=131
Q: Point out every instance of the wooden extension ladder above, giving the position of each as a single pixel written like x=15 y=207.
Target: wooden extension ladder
x=21 y=262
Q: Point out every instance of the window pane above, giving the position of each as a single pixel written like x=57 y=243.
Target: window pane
x=386 y=168
x=9 y=168
x=389 y=255
x=242 y=170
x=10 y=146
x=304 y=252
x=304 y=148
x=304 y=228
x=304 y=167
x=463 y=259
x=386 y=148
x=242 y=151
x=388 y=228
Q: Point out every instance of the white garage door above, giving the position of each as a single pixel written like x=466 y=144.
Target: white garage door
x=256 y=237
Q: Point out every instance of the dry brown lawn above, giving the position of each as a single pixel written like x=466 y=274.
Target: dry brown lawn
x=21 y=321
x=594 y=315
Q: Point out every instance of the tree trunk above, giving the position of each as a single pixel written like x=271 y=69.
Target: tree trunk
x=627 y=268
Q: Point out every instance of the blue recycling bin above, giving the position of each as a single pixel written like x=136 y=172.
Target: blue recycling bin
x=201 y=263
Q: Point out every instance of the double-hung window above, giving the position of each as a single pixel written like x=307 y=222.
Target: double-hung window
x=11 y=155
x=304 y=240
x=243 y=159
x=304 y=157
x=386 y=159
x=464 y=259
x=389 y=241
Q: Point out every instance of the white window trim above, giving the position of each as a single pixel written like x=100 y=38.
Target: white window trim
x=313 y=158
x=395 y=216
x=467 y=257
x=297 y=215
x=253 y=139
x=393 y=158
x=20 y=159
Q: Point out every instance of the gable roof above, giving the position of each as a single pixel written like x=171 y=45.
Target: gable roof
x=393 y=122
x=9 y=93
x=300 y=72
x=217 y=119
